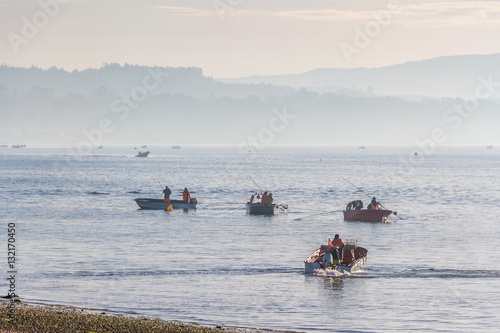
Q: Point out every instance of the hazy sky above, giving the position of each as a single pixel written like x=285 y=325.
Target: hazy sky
x=230 y=38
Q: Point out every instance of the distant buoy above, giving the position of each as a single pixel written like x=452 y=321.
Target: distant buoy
x=169 y=208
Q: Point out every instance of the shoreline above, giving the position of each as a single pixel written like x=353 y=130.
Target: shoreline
x=39 y=317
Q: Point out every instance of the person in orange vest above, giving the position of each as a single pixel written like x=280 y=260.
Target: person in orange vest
x=374 y=204
x=167 y=192
x=262 y=200
x=185 y=195
x=336 y=249
x=337 y=241
x=251 y=198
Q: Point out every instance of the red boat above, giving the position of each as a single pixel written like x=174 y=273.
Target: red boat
x=367 y=215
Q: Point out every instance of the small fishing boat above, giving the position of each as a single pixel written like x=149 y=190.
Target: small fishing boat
x=100 y=147
x=489 y=147
x=256 y=208
x=159 y=204
x=367 y=215
x=352 y=258
x=140 y=154
x=3 y=146
x=19 y=146
x=176 y=147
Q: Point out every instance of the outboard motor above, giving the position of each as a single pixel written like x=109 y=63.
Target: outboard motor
x=327 y=260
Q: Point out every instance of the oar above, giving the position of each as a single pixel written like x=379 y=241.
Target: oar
x=395 y=213
x=333 y=211
x=227 y=203
x=255 y=183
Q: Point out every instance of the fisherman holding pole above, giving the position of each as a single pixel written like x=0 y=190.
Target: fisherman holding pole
x=166 y=194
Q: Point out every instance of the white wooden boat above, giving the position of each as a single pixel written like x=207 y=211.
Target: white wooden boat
x=159 y=204
x=352 y=259
x=257 y=208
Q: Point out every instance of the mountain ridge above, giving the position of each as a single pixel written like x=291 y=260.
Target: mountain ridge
x=446 y=76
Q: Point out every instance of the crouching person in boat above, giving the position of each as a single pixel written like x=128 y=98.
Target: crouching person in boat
x=355 y=205
x=252 y=198
x=373 y=204
x=336 y=249
x=269 y=199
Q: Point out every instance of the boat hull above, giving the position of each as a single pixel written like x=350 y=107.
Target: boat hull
x=261 y=209
x=158 y=204
x=145 y=154
x=367 y=215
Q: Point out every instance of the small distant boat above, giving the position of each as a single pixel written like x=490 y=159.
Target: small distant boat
x=489 y=147
x=159 y=204
x=19 y=146
x=362 y=147
x=140 y=154
x=3 y=146
x=353 y=258
x=176 y=147
x=144 y=146
x=100 y=147
x=257 y=208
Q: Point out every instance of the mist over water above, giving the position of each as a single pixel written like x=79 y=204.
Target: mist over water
x=82 y=241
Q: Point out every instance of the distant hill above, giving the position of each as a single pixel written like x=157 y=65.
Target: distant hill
x=453 y=76
x=181 y=105
x=122 y=79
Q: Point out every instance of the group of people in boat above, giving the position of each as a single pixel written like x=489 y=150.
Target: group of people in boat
x=358 y=205
x=186 y=196
x=265 y=198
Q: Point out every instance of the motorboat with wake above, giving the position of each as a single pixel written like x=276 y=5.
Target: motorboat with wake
x=348 y=259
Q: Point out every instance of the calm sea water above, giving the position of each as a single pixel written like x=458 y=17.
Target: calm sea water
x=82 y=241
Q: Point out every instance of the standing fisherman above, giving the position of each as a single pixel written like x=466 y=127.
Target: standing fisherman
x=166 y=194
x=263 y=199
x=185 y=195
